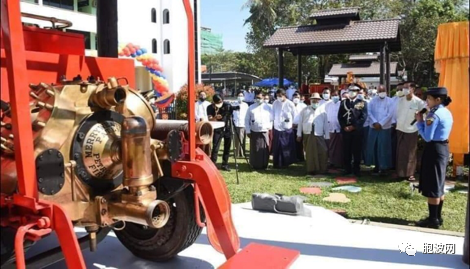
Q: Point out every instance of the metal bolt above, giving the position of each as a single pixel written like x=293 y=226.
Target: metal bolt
x=59 y=155
x=103 y=201
x=40 y=180
x=81 y=136
x=52 y=191
x=62 y=175
x=49 y=151
x=43 y=189
x=61 y=185
x=76 y=156
x=40 y=157
x=103 y=211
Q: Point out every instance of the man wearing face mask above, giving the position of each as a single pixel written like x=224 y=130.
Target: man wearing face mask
x=407 y=134
x=298 y=108
x=312 y=131
x=284 y=153
x=379 y=140
x=326 y=96
x=239 y=123
x=201 y=107
x=335 y=143
x=352 y=114
x=365 y=132
x=258 y=122
x=220 y=111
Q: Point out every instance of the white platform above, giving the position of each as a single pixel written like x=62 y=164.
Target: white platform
x=326 y=240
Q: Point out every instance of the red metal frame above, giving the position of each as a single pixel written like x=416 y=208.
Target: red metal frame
x=33 y=218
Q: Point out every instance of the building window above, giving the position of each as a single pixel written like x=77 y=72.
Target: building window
x=166 y=46
x=154 y=45
x=166 y=16
x=30 y=1
x=154 y=15
x=64 y=4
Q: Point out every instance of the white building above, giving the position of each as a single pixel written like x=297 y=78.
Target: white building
x=160 y=26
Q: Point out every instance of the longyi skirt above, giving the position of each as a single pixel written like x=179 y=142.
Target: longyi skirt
x=433 y=169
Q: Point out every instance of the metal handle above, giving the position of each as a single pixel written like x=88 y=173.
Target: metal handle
x=66 y=23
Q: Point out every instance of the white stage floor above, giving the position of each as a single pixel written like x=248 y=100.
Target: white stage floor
x=326 y=240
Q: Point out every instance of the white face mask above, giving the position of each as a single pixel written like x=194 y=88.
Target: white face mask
x=326 y=96
x=259 y=101
x=382 y=95
x=296 y=100
x=335 y=99
x=314 y=105
x=280 y=99
x=360 y=96
x=240 y=99
x=219 y=105
x=400 y=93
x=266 y=101
x=406 y=91
x=352 y=94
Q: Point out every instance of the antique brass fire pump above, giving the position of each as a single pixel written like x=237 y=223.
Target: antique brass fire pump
x=101 y=155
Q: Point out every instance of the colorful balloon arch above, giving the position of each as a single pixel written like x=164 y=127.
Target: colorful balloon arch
x=163 y=94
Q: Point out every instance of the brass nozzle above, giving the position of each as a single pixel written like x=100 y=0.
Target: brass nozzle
x=108 y=97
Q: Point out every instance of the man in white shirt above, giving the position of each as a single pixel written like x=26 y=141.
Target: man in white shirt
x=267 y=100
x=366 y=127
x=249 y=96
x=379 y=140
x=298 y=108
x=313 y=130
x=326 y=96
x=284 y=153
x=239 y=112
x=407 y=134
x=290 y=92
x=398 y=96
x=335 y=143
x=258 y=122
x=201 y=107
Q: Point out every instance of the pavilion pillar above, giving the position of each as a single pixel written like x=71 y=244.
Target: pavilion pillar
x=387 y=66
x=280 y=67
x=382 y=64
x=299 y=70
x=107 y=28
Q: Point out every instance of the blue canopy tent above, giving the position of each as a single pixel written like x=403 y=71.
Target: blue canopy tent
x=270 y=82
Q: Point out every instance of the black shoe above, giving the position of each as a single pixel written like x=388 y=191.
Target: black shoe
x=429 y=223
x=225 y=168
x=441 y=222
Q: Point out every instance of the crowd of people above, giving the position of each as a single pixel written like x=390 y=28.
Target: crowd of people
x=337 y=129
x=340 y=129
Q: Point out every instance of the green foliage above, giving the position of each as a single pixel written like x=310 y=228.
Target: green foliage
x=420 y=19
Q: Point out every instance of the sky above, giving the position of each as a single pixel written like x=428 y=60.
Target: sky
x=226 y=17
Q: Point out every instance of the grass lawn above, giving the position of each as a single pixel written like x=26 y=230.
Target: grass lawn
x=382 y=199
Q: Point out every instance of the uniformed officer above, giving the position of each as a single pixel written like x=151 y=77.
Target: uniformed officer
x=435 y=130
x=221 y=111
x=352 y=114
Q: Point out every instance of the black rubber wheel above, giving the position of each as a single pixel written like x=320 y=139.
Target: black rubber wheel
x=162 y=244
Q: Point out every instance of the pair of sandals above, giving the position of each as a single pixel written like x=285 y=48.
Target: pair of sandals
x=411 y=179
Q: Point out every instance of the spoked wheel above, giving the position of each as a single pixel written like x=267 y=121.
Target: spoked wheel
x=162 y=244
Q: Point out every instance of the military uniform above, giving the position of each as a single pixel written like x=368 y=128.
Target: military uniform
x=352 y=113
x=435 y=130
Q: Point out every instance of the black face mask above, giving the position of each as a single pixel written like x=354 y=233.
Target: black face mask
x=202 y=98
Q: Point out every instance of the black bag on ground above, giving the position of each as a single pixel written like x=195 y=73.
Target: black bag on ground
x=290 y=205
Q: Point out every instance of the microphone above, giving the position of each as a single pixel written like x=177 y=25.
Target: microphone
x=422 y=111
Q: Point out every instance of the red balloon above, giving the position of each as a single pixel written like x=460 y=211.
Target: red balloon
x=132 y=50
x=158 y=68
x=137 y=47
x=126 y=51
x=121 y=53
x=145 y=62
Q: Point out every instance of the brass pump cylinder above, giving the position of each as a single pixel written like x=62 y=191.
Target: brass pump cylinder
x=136 y=153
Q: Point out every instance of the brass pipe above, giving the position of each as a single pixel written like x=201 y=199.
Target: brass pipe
x=136 y=153
x=108 y=97
x=155 y=215
x=204 y=130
